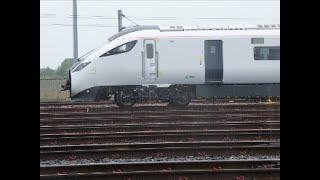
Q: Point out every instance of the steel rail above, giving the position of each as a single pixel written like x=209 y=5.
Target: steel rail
x=150 y=108
x=158 y=119
x=106 y=113
x=155 y=124
x=163 y=136
x=167 y=167
x=203 y=174
x=181 y=127
x=161 y=151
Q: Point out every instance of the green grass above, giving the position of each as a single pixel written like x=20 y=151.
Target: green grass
x=50 y=90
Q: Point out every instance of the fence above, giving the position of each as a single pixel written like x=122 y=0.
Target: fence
x=50 y=90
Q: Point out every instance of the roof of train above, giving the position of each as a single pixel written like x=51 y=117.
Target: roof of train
x=196 y=31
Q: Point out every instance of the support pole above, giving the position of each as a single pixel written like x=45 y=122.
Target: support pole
x=75 y=32
x=120 y=15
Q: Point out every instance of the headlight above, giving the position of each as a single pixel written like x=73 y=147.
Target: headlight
x=81 y=66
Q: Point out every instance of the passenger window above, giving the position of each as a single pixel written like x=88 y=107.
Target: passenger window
x=149 y=48
x=121 y=49
x=267 y=53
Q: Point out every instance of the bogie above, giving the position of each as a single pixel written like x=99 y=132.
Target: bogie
x=125 y=97
x=128 y=96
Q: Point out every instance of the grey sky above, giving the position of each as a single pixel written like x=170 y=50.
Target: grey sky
x=97 y=20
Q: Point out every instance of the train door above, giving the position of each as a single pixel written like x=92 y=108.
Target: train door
x=213 y=60
x=149 y=62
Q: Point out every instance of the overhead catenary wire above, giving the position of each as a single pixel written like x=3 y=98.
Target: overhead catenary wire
x=88 y=25
x=170 y=0
x=144 y=18
x=130 y=19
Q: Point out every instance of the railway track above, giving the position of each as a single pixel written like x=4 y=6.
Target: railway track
x=158 y=136
x=156 y=119
x=159 y=107
x=115 y=129
x=201 y=141
x=163 y=149
x=180 y=170
x=166 y=114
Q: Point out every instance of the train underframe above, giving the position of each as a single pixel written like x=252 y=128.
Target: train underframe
x=126 y=96
x=176 y=95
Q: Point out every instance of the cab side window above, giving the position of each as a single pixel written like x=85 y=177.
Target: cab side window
x=121 y=49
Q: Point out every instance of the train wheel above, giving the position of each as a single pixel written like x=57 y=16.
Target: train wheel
x=180 y=99
x=124 y=99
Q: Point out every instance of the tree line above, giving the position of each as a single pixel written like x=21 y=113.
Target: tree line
x=60 y=72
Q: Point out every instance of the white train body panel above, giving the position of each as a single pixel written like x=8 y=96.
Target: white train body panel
x=180 y=59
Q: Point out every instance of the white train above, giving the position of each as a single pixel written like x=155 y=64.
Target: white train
x=177 y=63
